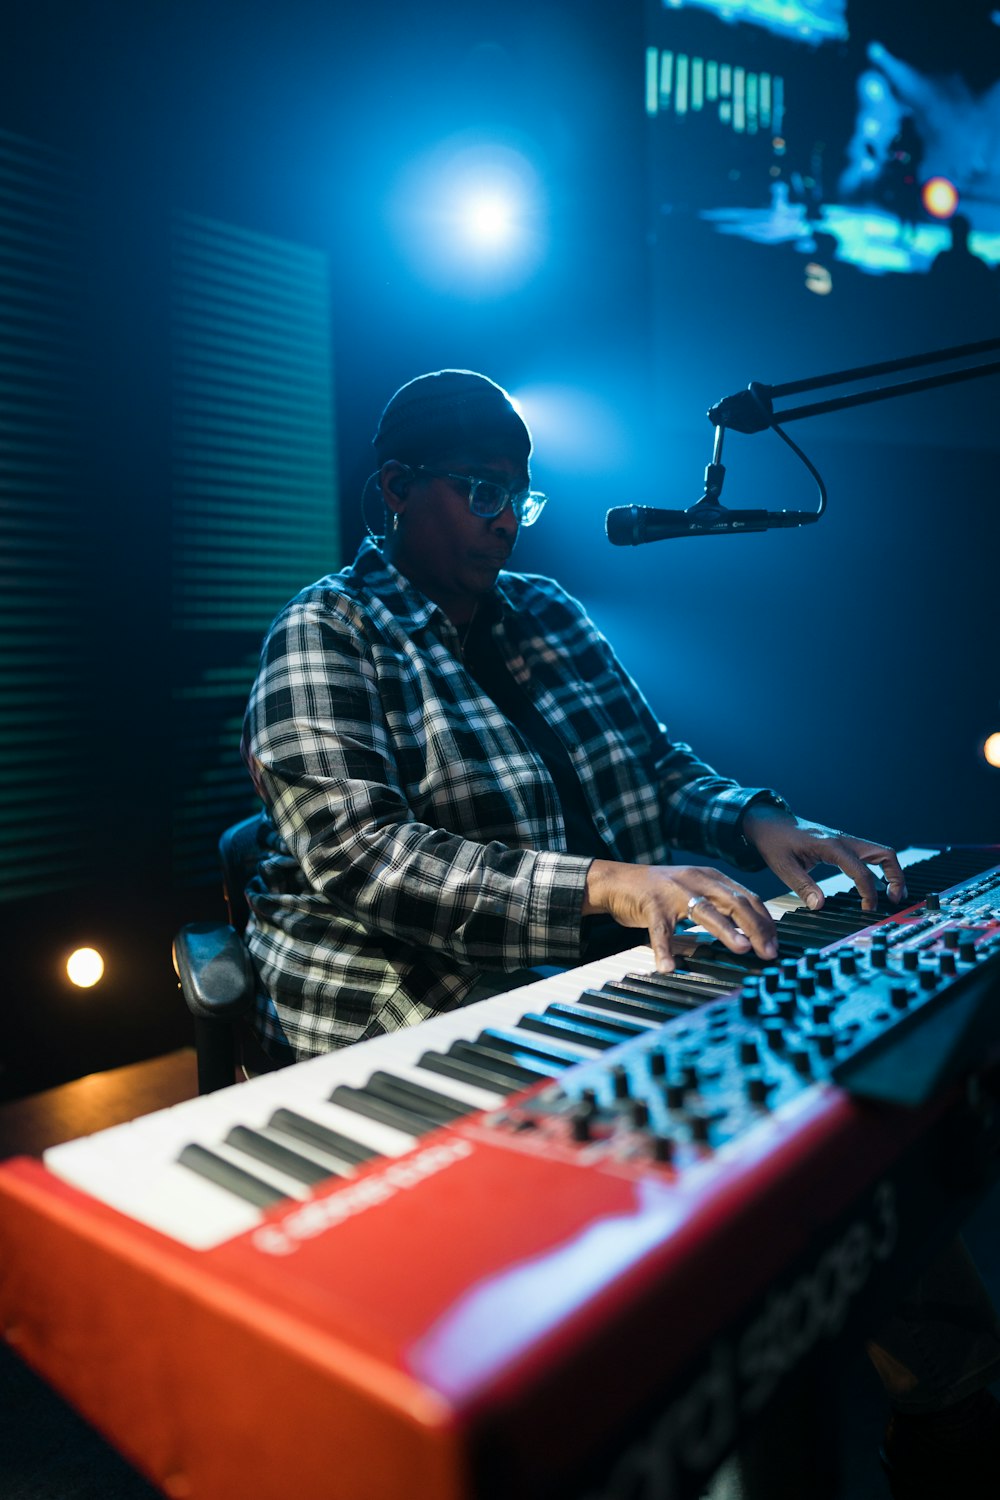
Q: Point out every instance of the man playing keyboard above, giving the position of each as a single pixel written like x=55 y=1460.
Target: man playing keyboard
x=463 y=783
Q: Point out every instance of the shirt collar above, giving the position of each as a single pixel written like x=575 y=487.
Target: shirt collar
x=402 y=598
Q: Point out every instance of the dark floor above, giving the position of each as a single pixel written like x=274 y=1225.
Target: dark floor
x=48 y=1453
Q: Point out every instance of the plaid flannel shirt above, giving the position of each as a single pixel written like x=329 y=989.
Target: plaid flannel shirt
x=417 y=838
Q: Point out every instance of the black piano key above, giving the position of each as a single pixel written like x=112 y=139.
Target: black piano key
x=696 y=987
x=848 y=904
x=225 y=1174
x=643 y=1008
x=517 y=1044
x=583 y=1034
x=273 y=1154
x=575 y=1011
x=729 y=970
x=826 y=926
x=301 y=1128
x=673 y=987
x=400 y=1116
x=480 y=1073
x=793 y=942
x=522 y=1068
x=404 y=1090
x=696 y=969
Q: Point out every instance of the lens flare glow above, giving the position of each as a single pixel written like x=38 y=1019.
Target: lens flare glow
x=489 y=220
x=470 y=217
x=85 y=967
x=940 y=197
x=991 y=750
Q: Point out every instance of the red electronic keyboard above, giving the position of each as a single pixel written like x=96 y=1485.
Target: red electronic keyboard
x=568 y=1242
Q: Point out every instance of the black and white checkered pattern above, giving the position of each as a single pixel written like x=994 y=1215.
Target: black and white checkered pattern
x=418 y=838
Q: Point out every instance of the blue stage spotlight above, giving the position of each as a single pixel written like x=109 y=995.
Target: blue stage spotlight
x=469 y=216
x=491 y=220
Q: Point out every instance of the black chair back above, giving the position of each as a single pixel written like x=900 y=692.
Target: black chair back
x=216 y=976
x=239 y=851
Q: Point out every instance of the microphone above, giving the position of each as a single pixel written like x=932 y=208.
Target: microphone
x=630 y=525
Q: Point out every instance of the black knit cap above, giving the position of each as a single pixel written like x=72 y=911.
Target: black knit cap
x=450 y=412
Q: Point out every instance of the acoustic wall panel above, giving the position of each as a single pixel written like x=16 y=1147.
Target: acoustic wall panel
x=254 y=493
x=47 y=663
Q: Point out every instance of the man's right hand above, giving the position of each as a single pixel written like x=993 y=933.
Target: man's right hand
x=657 y=897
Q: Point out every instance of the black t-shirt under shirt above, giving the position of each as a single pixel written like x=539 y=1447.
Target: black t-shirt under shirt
x=483 y=660
x=486 y=664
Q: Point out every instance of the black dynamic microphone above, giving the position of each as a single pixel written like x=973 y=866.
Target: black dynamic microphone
x=630 y=525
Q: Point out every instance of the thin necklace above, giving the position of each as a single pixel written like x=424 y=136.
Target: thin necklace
x=464 y=635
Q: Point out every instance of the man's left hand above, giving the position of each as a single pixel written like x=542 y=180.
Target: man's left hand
x=792 y=847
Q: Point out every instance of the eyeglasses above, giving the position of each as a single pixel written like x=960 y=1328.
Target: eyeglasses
x=488 y=499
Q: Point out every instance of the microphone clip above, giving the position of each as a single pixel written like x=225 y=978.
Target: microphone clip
x=715 y=474
x=747 y=411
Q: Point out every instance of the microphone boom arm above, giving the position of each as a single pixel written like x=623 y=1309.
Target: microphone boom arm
x=752 y=410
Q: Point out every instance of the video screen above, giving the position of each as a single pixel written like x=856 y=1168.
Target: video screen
x=824 y=185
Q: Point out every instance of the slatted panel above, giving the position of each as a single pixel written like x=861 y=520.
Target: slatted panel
x=44 y=539
x=255 y=513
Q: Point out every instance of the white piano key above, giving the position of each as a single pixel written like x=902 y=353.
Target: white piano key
x=173 y=1200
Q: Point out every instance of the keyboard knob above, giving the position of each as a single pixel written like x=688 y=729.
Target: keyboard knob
x=639 y=1113
x=786 y=1005
x=757 y=1089
x=826 y=1042
x=689 y=1075
x=774 y=1033
x=749 y=998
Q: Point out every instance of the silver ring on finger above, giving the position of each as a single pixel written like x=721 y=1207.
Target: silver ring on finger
x=694 y=901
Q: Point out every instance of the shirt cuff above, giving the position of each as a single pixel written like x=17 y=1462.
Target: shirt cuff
x=555 y=908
